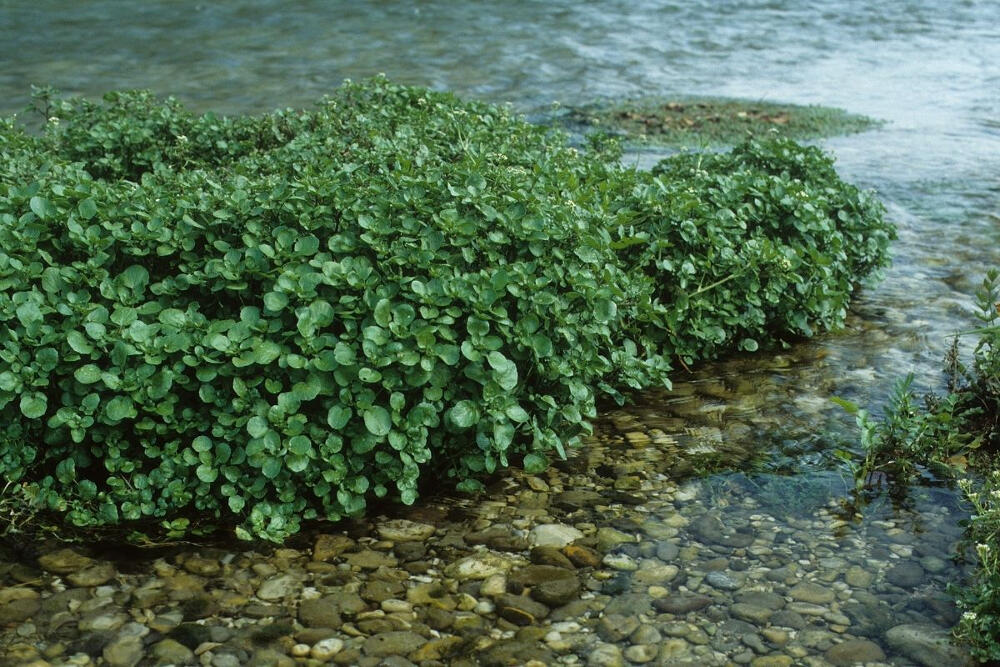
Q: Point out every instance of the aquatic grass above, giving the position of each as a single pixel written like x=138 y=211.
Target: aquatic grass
x=955 y=437
x=699 y=122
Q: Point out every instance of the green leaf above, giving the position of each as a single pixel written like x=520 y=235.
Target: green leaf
x=236 y=505
x=338 y=416
x=42 y=207
x=605 y=310
x=207 y=473
x=275 y=301
x=119 y=408
x=535 y=463
x=505 y=370
x=79 y=342
x=34 y=404
x=464 y=414
x=87 y=208
x=517 y=414
x=542 y=345
x=87 y=374
x=378 y=421
x=383 y=312
x=258 y=426
x=296 y=462
x=299 y=445
x=29 y=313
x=9 y=381
x=136 y=277
x=271 y=468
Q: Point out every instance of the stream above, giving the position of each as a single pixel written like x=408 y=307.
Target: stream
x=717 y=508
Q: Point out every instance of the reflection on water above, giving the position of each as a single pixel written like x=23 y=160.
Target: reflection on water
x=928 y=67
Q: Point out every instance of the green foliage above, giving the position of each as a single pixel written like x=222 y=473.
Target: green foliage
x=750 y=247
x=268 y=319
x=979 y=625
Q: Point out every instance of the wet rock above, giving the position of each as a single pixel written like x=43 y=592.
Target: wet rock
x=621 y=562
x=616 y=627
x=582 y=556
x=399 y=642
x=202 y=566
x=370 y=560
x=124 y=652
x=554 y=535
x=379 y=591
x=650 y=572
x=906 y=574
x=553 y=586
x=630 y=604
x=812 y=593
x=515 y=652
x=267 y=657
x=479 y=566
x=576 y=499
x=788 y=619
x=681 y=603
x=667 y=551
x=868 y=619
x=618 y=584
x=320 y=613
x=17 y=611
x=726 y=581
x=280 y=587
x=854 y=651
x=858 y=577
x=550 y=556
x=410 y=551
x=926 y=644
x=17 y=593
x=709 y=528
x=750 y=612
x=96 y=575
x=764 y=599
x=64 y=561
x=403 y=530
x=641 y=653
x=609 y=538
x=520 y=610
x=171 y=652
x=605 y=655
x=433 y=595
x=329 y=547
x=675 y=651
x=439 y=649
x=774 y=660
x=499 y=538
x=102 y=621
x=933 y=564
x=325 y=649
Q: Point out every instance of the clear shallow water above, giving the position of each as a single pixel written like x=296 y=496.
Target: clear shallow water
x=927 y=67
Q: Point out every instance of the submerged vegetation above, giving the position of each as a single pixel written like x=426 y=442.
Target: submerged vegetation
x=956 y=437
x=714 y=121
x=259 y=320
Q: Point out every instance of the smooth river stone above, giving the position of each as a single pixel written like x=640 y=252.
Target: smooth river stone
x=556 y=535
x=812 y=593
x=403 y=530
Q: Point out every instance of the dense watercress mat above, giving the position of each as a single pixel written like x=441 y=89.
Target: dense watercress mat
x=257 y=320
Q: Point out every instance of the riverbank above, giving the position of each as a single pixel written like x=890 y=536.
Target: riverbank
x=609 y=558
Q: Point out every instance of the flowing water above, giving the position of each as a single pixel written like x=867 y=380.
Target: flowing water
x=927 y=67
